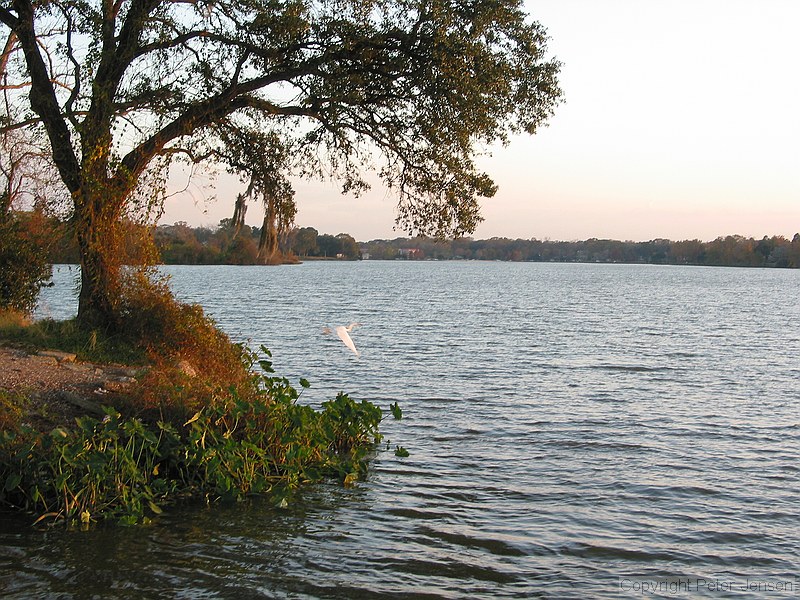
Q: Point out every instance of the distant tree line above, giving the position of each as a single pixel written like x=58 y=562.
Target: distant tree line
x=228 y=243
x=181 y=244
x=732 y=250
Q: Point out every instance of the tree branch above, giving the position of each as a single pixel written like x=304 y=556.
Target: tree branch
x=43 y=98
x=77 y=70
x=117 y=55
x=19 y=125
x=8 y=19
x=197 y=117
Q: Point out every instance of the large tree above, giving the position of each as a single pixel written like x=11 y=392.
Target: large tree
x=410 y=89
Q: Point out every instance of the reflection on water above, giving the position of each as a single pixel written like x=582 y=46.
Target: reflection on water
x=570 y=427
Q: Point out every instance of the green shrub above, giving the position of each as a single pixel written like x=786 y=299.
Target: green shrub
x=23 y=265
x=127 y=469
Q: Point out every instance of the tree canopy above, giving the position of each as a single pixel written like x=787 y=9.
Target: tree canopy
x=413 y=90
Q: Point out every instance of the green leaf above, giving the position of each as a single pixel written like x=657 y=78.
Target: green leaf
x=154 y=507
x=304 y=383
x=397 y=412
x=128 y=520
x=12 y=481
x=401 y=452
x=58 y=432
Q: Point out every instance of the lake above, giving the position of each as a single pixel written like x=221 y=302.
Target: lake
x=574 y=431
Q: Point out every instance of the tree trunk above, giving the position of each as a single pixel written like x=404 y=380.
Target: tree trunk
x=239 y=211
x=97 y=226
x=268 y=244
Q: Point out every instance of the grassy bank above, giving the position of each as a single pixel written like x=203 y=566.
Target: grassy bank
x=221 y=432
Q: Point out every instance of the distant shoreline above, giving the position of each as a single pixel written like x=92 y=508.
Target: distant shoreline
x=311 y=259
x=180 y=244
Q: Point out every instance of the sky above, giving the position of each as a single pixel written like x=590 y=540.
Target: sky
x=681 y=120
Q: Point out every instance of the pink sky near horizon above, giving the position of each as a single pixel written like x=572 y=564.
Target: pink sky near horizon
x=681 y=121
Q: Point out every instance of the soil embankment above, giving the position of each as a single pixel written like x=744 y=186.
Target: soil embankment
x=57 y=387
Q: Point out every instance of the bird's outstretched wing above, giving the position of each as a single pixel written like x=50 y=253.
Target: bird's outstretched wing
x=341 y=331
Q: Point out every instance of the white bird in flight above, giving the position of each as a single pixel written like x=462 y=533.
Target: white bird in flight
x=342 y=332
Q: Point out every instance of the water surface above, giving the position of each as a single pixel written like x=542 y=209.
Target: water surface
x=575 y=431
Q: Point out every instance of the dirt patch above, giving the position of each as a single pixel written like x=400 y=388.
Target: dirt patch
x=57 y=388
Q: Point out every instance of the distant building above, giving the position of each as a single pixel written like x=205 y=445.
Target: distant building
x=410 y=253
